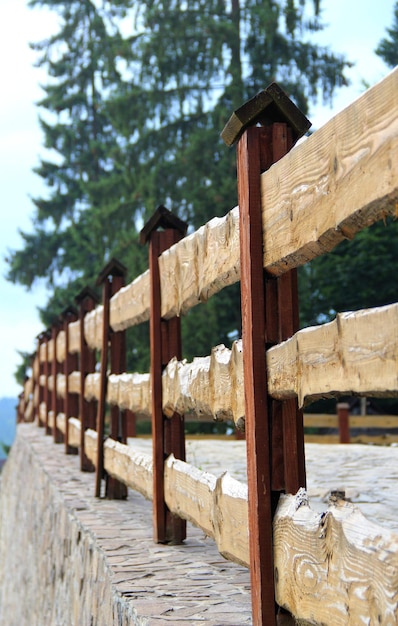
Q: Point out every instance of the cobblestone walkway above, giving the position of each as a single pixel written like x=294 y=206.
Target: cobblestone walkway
x=190 y=584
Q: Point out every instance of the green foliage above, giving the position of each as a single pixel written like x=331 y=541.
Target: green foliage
x=23 y=368
x=137 y=96
x=5 y=448
x=388 y=47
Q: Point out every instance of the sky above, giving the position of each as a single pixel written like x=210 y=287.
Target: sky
x=354 y=27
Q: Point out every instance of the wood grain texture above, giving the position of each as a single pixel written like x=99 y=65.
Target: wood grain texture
x=209 y=386
x=28 y=387
x=36 y=367
x=43 y=352
x=74 y=382
x=61 y=385
x=216 y=505
x=42 y=412
x=50 y=350
x=74 y=337
x=74 y=432
x=90 y=445
x=357 y=353
x=130 y=305
x=336 y=568
x=61 y=422
x=200 y=265
x=130 y=391
x=93 y=327
x=61 y=346
x=319 y=420
x=133 y=468
x=337 y=182
x=92 y=386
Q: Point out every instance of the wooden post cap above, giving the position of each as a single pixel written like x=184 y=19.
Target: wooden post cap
x=162 y=218
x=113 y=268
x=69 y=311
x=85 y=293
x=268 y=106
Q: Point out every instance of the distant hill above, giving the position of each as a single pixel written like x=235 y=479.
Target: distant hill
x=7 y=421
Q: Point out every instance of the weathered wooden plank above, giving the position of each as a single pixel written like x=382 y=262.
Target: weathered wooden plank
x=61 y=346
x=43 y=352
x=357 y=353
x=133 y=468
x=74 y=337
x=36 y=368
x=50 y=350
x=74 y=432
x=130 y=305
x=216 y=505
x=336 y=568
x=209 y=386
x=317 y=420
x=90 y=445
x=130 y=391
x=189 y=493
x=42 y=412
x=61 y=385
x=74 y=382
x=61 y=423
x=93 y=328
x=309 y=206
x=200 y=265
x=337 y=182
x=28 y=388
x=92 y=386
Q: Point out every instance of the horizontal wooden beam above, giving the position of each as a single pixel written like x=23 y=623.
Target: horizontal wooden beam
x=356 y=354
x=329 y=567
x=385 y=422
x=336 y=183
x=335 y=568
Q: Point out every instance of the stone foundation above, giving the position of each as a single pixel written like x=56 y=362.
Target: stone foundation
x=69 y=559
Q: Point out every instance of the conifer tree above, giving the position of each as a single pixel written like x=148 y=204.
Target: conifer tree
x=73 y=231
x=388 y=47
x=134 y=121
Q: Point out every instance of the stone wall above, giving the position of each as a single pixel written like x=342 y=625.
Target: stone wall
x=69 y=559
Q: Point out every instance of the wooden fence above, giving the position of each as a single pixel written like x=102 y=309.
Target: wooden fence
x=295 y=204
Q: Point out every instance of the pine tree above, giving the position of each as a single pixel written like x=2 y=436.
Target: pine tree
x=194 y=64
x=388 y=47
x=73 y=228
x=134 y=121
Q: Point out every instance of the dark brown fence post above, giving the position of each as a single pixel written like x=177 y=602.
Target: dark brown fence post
x=105 y=278
x=46 y=371
x=86 y=301
x=71 y=404
x=269 y=313
x=118 y=428
x=40 y=343
x=343 y=415
x=165 y=338
x=56 y=403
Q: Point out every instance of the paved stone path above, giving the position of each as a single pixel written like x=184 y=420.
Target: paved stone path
x=192 y=584
x=186 y=585
x=368 y=474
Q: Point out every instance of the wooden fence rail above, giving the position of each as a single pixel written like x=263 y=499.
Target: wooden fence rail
x=292 y=209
